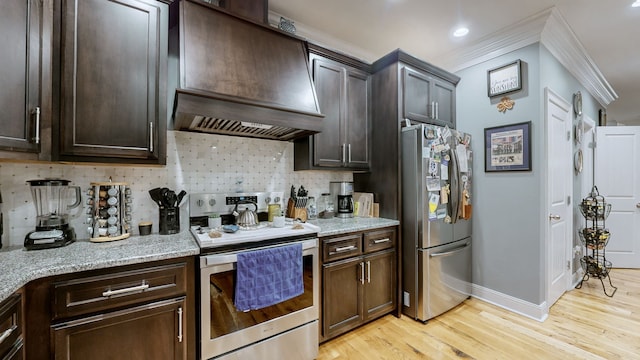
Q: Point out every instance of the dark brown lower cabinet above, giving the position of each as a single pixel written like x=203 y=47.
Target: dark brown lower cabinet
x=142 y=311
x=153 y=331
x=360 y=288
x=11 y=344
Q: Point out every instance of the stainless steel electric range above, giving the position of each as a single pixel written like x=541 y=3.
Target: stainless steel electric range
x=288 y=330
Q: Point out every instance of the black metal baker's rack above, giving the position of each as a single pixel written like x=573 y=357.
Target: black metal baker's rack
x=595 y=237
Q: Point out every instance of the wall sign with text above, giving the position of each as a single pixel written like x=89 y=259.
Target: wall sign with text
x=504 y=79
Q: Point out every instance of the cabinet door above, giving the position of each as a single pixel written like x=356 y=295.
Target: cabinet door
x=20 y=73
x=10 y=325
x=380 y=285
x=342 y=283
x=416 y=94
x=357 y=124
x=327 y=145
x=444 y=96
x=151 y=331
x=113 y=73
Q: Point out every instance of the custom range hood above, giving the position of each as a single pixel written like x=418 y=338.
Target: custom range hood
x=238 y=77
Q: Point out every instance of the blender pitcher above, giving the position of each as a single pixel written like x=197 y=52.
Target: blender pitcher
x=52 y=199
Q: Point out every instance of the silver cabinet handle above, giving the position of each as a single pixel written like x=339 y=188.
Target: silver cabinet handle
x=380 y=241
x=180 y=324
x=138 y=288
x=151 y=136
x=437 y=111
x=344 y=152
x=7 y=333
x=554 y=217
x=433 y=109
x=344 y=249
x=362 y=273
x=36 y=111
x=349 y=152
x=369 y=272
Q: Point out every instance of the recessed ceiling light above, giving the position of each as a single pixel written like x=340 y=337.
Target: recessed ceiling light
x=460 y=32
x=636 y=4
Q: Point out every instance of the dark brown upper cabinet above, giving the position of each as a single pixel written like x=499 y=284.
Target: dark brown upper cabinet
x=112 y=85
x=256 y=10
x=25 y=130
x=344 y=92
x=428 y=99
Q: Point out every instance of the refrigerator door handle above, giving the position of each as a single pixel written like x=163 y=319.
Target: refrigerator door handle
x=450 y=252
x=455 y=186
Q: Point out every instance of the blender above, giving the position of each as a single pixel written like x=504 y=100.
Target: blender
x=51 y=198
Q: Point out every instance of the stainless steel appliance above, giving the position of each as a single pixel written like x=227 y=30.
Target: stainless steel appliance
x=436 y=219
x=51 y=198
x=288 y=330
x=342 y=193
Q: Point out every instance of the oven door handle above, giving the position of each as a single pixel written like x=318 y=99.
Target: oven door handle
x=229 y=258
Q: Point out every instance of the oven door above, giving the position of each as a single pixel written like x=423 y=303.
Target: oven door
x=227 y=332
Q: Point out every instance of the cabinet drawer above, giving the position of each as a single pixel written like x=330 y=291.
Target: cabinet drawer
x=10 y=323
x=341 y=247
x=109 y=291
x=379 y=240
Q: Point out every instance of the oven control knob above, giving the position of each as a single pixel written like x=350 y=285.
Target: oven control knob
x=199 y=203
x=212 y=202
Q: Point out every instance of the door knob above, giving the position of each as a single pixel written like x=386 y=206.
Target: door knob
x=638 y=205
x=554 y=217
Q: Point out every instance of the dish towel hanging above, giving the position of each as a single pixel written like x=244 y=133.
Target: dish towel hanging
x=269 y=276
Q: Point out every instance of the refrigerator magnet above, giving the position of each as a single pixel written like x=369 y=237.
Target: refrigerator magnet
x=433 y=184
x=444 y=172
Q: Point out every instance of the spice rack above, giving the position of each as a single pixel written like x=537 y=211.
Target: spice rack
x=595 y=237
x=109 y=212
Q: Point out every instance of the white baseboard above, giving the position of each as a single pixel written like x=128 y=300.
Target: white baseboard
x=536 y=312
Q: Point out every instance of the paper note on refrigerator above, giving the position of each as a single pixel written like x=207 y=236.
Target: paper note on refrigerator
x=461 y=151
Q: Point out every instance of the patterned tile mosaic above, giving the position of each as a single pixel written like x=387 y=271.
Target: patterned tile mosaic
x=195 y=163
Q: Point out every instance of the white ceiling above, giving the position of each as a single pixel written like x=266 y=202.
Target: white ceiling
x=370 y=29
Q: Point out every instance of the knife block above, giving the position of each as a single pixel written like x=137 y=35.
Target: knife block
x=296 y=212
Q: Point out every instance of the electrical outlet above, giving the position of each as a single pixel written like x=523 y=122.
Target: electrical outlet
x=405 y=299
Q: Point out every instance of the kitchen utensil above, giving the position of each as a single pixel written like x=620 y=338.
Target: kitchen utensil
x=246 y=217
x=180 y=197
x=156 y=195
x=164 y=196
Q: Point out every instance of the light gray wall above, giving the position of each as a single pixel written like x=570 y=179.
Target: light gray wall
x=507 y=238
x=555 y=76
x=508 y=231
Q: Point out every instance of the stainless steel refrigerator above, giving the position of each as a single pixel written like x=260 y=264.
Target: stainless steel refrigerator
x=436 y=219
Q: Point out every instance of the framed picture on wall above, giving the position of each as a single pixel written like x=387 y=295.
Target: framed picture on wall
x=508 y=148
x=504 y=79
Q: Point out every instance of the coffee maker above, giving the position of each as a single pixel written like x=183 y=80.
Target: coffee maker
x=342 y=194
x=50 y=197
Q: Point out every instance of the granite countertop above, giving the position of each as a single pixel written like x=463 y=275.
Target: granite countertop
x=20 y=266
x=337 y=226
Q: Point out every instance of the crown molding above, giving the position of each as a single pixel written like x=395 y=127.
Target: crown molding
x=548 y=28
x=564 y=45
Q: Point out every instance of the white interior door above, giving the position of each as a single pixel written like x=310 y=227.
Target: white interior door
x=618 y=180
x=558 y=120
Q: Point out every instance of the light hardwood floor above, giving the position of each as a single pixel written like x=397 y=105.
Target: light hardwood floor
x=583 y=324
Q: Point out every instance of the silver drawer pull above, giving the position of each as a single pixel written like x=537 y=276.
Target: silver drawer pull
x=180 y=324
x=345 y=248
x=7 y=333
x=110 y=292
x=380 y=241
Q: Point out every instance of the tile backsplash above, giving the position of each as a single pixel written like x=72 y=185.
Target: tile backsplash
x=195 y=163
